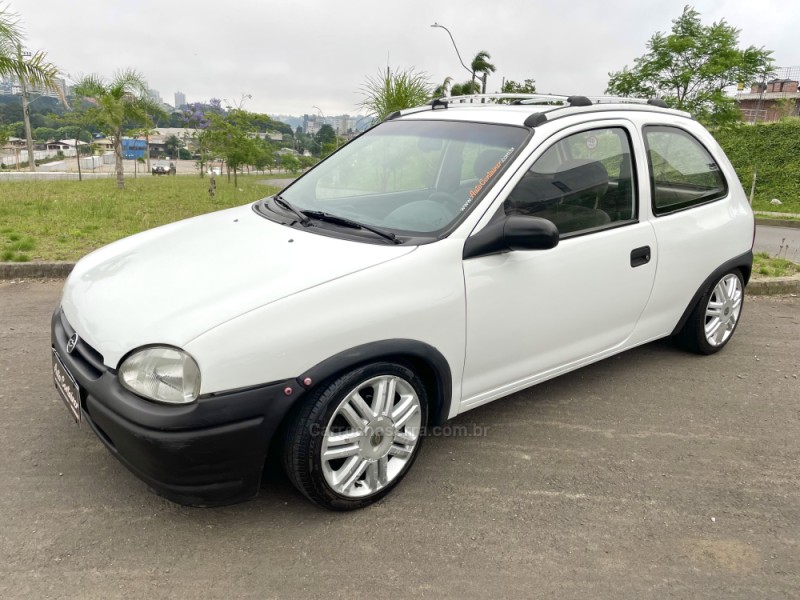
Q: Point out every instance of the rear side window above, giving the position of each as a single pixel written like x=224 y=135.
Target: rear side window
x=682 y=172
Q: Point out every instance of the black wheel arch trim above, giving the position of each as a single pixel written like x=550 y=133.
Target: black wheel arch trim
x=743 y=262
x=397 y=349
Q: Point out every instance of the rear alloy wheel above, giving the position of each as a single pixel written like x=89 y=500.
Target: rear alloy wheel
x=714 y=319
x=356 y=438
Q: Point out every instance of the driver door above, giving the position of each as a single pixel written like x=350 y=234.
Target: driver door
x=532 y=315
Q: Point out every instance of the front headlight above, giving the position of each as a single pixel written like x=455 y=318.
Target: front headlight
x=161 y=374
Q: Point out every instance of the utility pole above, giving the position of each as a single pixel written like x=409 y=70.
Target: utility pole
x=25 y=114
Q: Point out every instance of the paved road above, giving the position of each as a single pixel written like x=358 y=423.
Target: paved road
x=779 y=241
x=653 y=474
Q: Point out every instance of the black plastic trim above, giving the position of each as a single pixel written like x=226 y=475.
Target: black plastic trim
x=503 y=234
x=535 y=119
x=562 y=112
x=744 y=262
x=385 y=350
x=208 y=452
x=579 y=101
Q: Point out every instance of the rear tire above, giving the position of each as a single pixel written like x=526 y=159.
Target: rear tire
x=713 y=321
x=356 y=437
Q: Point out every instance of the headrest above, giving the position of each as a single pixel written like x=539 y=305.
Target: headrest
x=581 y=175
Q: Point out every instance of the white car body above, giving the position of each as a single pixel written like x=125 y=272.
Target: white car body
x=254 y=301
x=201 y=283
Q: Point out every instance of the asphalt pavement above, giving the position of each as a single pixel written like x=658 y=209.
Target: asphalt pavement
x=653 y=474
x=783 y=242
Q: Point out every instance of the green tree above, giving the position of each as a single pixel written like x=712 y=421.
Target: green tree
x=230 y=137
x=512 y=87
x=290 y=163
x=392 y=91
x=122 y=102
x=44 y=134
x=172 y=145
x=78 y=124
x=481 y=65
x=326 y=135
x=465 y=89
x=690 y=67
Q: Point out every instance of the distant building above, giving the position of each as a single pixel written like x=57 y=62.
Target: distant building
x=62 y=145
x=273 y=136
x=773 y=99
x=311 y=125
x=180 y=99
x=154 y=96
x=10 y=86
x=344 y=124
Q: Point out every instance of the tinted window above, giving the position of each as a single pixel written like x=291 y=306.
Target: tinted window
x=582 y=182
x=682 y=172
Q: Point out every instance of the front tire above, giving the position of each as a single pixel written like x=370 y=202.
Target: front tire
x=356 y=437
x=713 y=321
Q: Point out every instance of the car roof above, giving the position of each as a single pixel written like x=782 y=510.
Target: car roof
x=528 y=109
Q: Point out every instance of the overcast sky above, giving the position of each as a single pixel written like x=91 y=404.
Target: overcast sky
x=291 y=55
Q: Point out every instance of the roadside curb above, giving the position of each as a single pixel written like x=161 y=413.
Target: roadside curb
x=35 y=270
x=60 y=270
x=774 y=286
x=769 y=222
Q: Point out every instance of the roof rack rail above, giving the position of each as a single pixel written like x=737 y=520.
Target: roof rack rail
x=518 y=98
x=561 y=99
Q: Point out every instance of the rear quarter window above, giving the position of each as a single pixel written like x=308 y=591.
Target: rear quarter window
x=682 y=171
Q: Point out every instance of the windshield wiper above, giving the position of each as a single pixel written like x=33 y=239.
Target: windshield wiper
x=345 y=222
x=286 y=205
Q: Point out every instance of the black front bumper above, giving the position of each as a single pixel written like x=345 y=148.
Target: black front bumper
x=206 y=453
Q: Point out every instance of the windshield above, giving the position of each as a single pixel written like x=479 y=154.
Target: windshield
x=414 y=177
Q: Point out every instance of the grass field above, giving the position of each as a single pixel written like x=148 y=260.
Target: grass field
x=63 y=220
x=768 y=266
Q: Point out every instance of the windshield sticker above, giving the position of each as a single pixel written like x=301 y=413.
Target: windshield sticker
x=591 y=142
x=473 y=193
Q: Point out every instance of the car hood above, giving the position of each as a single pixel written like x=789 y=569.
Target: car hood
x=173 y=283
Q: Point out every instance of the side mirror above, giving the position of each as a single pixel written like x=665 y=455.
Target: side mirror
x=515 y=232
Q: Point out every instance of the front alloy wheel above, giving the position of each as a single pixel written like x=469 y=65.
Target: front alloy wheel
x=356 y=438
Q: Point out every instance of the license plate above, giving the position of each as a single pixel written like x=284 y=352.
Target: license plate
x=67 y=387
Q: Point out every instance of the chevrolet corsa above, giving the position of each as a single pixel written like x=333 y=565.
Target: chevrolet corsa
x=451 y=255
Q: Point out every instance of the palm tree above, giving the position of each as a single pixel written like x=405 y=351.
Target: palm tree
x=35 y=70
x=28 y=70
x=481 y=64
x=120 y=102
x=443 y=89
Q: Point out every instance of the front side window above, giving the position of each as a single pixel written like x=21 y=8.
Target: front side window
x=682 y=172
x=582 y=182
x=410 y=177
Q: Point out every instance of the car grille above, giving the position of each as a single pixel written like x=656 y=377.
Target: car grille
x=88 y=357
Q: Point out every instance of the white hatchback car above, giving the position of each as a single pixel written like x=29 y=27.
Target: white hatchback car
x=451 y=255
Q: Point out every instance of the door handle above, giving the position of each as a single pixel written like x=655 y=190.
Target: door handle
x=640 y=256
